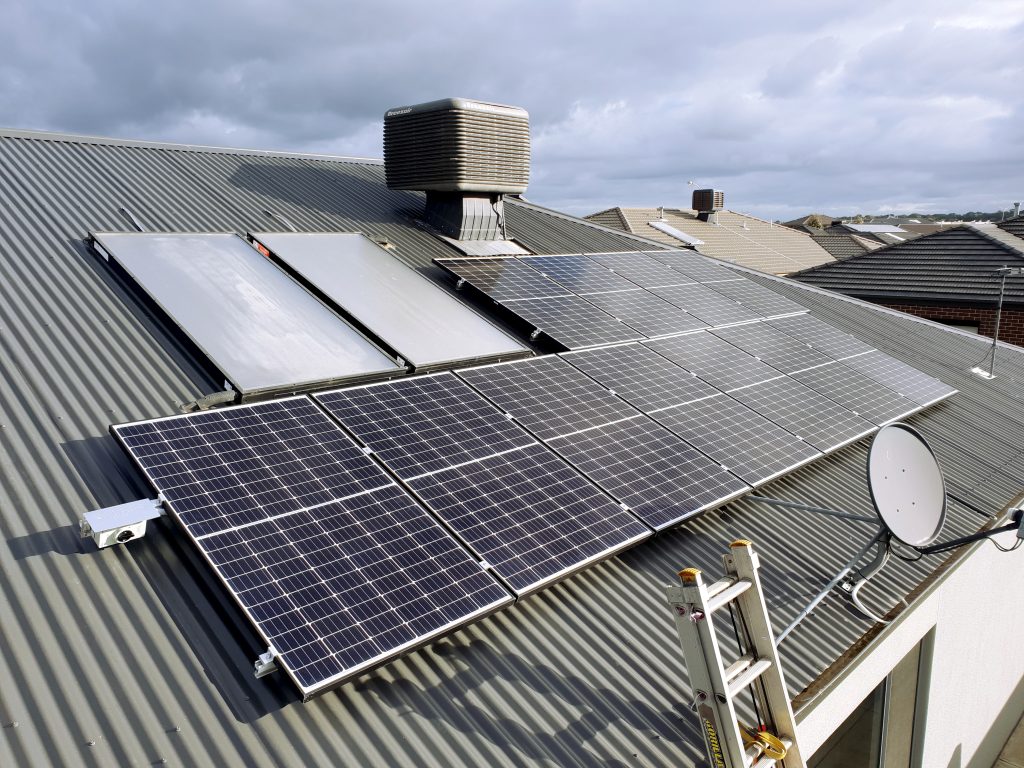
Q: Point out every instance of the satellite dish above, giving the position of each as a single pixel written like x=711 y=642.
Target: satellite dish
x=906 y=483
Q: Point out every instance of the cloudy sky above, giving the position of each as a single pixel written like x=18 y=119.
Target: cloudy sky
x=790 y=106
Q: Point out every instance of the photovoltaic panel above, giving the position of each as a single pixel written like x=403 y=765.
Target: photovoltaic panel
x=235 y=466
x=757 y=298
x=744 y=442
x=693 y=265
x=805 y=413
x=862 y=395
x=641 y=269
x=503 y=278
x=895 y=374
x=706 y=304
x=774 y=347
x=530 y=515
x=655 y=473
x=645 y=312
x=343 y=587
x=641 y=376
x=548 y=395
x=425 y=423
x=716 y=361
x=337 y=568
x=573 y=322
x=821 y=336
x=579 y=274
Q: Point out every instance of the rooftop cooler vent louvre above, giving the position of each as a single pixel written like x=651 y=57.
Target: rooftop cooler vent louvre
x=465 y=155
x=708 y=200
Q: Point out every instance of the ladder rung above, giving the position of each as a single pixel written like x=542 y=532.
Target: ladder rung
x=727 y=594
x=757 y=758
x=748 y=676
x=738 y=666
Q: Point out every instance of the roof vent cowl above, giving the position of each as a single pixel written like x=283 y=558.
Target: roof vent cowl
x=466 y=155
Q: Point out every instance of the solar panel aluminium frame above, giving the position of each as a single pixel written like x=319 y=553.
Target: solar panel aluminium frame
x=406 y=483
x=311 y=692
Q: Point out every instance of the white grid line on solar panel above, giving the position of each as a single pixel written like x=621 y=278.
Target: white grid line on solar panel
x=503 y=279
x=807 y=414
x=904 y=379
x=715 y=361
x=529 y=515
x=757 y=298
x=821 y=336
x=743 y=441
x=774 y=347
x=579 y=274
x=649 y=314
x=656 y=474
x=572 y=321
x=547 y=395
x=641 y=269
x=351 y=584
x=641 y=376
x=425 y=423
x=706 y=304
x=232 y=466
x=862 y=395
x=693 y=265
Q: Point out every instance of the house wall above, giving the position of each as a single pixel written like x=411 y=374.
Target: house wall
x=1011 y=327
x=974 y=680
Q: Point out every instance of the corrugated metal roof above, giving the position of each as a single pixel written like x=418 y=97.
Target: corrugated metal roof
x=955 y=265
x=133 y=655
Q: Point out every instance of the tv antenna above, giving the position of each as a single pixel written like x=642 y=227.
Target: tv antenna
x=909 y=495
x=1003 y=273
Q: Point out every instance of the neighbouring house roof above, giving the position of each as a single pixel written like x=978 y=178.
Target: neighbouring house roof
x=952 y=266
x=730 y=236
x=137 y=656
x=1014 y=226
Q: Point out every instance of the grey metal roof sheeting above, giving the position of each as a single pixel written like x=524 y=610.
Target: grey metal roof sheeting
x=951 y=266
x=134 y=655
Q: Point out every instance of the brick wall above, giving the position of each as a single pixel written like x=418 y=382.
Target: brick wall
x=1011 y=327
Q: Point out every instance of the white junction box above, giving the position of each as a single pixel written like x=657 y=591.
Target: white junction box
x=120 y=523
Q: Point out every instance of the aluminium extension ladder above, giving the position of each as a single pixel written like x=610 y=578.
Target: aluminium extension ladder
x=716 y=686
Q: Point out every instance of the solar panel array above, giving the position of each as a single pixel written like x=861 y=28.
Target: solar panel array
x=522 y=509
x=587 y=300
x=335 y=565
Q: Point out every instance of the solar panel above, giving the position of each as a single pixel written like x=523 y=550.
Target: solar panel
x=813 y=417
x=529 y=515
x=579 y=274
x=706 y=304
x=693 y=265
x=897 y=375
x=716 y=361
x=744 y=442
x=341 y=588
x=821 y=336
x=644 y=466
x=757 y=298
x=547 y=395
x=503 y=279
x=774 y=347
x=236 y=466
x=646 y=312
x=641 y=376
x=513 y=502
x=336 y=567
x=424 y=424
x=573 y=322
x=862 y=395
x=418 y=319
x=641 y=269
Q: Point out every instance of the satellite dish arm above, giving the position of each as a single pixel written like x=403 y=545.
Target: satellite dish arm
x=1016 y=525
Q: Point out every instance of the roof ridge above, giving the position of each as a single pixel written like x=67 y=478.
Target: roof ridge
x=579 y=220
x=81 y=138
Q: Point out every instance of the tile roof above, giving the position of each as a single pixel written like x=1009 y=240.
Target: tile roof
x=135 y=655
x=735 y=237
x=841 y=246
x=1014 y=226
x=955 y=265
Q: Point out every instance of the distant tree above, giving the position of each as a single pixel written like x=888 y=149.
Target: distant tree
x=817 y=221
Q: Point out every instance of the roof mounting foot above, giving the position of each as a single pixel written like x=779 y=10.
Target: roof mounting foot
x=210 y=401
x=265 y=663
